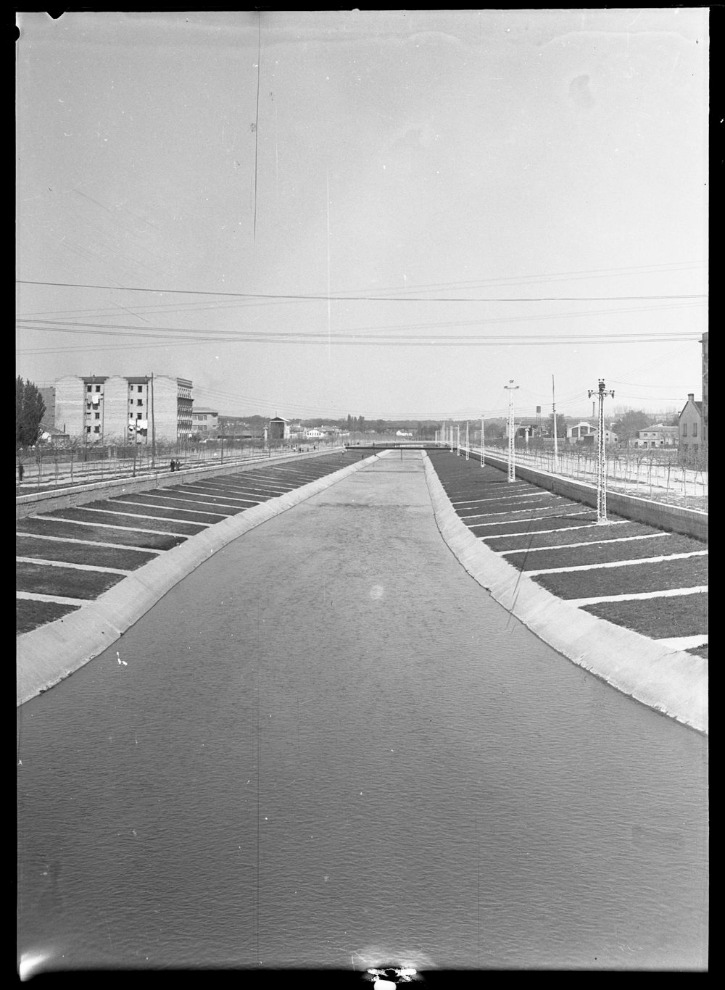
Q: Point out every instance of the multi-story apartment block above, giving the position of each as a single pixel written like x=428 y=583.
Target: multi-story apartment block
x=122 y=409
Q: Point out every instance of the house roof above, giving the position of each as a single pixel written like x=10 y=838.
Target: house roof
x=691 y=402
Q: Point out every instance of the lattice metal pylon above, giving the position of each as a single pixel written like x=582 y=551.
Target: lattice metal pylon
x=512 y=450
x=601 y=454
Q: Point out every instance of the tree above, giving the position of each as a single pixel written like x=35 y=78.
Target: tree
x=628 y=426
x=29 y=412
x=561 y=424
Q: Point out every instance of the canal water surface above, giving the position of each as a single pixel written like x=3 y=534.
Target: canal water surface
x=328 y=744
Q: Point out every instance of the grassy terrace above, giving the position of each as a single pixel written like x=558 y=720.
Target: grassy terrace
x=30 y=614
x=67 y=582
x=604 y=552
x=536 y=533
x=630 y=580
x=81 y=553
x=119 y=532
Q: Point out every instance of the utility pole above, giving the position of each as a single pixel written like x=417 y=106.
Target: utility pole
x=153 y=425
x=512 y=466
x=466 y=441
x=601 y=455
x=458 y=439
x=556 y=441
x=481 y=439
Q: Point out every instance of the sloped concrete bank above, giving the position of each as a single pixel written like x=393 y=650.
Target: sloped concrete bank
x=62 y=498
x=669 y=681
x=674 y=518
x=49 y=654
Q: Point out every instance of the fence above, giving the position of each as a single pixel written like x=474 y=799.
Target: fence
x=48 y=467
x=649 y=474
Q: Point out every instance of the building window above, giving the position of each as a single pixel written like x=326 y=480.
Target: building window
x=98 y=388
x=694 y=429
x=96 y=429
x=140 y=387
x=684 y=429
x=98 y=415
x=138 y=415
x=88 y=429
x=139 y=402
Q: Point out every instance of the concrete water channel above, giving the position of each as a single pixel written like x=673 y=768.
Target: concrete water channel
x=329 y=745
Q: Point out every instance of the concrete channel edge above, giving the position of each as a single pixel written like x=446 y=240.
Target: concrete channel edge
x=49 y=654
x=672 y=682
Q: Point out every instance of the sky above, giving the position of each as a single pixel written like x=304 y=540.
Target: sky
x=392 y=214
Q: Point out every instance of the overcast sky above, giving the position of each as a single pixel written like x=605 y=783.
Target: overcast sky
x=387 y=199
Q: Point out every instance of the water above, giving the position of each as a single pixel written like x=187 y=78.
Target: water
x=329 y=738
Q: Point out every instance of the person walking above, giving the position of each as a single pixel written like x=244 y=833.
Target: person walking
x=173 y=465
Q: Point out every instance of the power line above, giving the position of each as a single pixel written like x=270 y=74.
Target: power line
x=324 y=297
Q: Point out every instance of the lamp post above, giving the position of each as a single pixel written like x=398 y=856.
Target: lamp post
x=482 y=435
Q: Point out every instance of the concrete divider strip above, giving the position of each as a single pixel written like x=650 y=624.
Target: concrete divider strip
x=667 y=680
x=50 y=653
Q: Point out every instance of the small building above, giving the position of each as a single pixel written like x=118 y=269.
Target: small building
x=581 y=433
x=204 y=422
x=314 y=434
x=690 y=428
x=658 y=436
x=278 y=428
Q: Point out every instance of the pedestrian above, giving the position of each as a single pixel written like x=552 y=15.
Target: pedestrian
x=178 y=465
x=173 y=465
x=21 y=472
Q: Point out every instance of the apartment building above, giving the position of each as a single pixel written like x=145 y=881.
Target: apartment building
x=122 y=409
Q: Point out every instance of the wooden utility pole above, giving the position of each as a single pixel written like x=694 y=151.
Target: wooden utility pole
x=153 y=425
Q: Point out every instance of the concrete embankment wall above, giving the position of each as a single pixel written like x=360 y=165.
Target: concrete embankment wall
x=673 y=518
x=669 y=681
x=49 y=654
x=26 y=505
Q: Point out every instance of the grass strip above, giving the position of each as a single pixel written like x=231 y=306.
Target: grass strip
x=593 y=535
x=160 y=525
x=56 y=527
x=75 y=553
x=558 y=522
x=512 y=505
x=658 y=618
x=65 y=582
x=698 y=651
x=30 y=615
x=156 y=511
x=631 y=580
x=601 y=553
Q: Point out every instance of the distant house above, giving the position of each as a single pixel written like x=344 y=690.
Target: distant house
x=580 y=432
x=204 y=421
x=690 y=428
x=658 y=436
x=278 y=428
x=314 y=434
